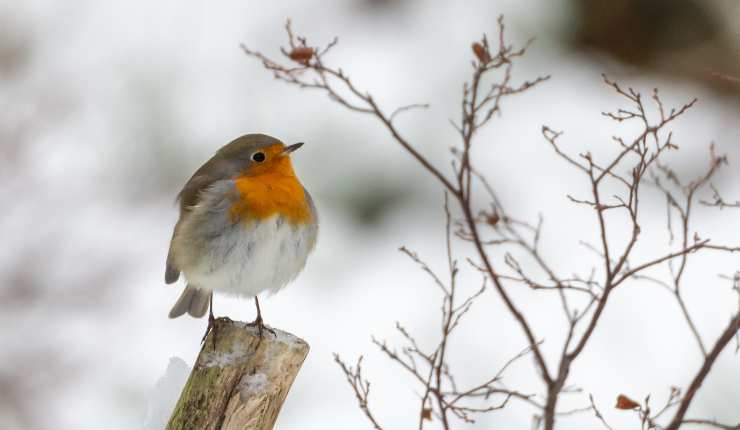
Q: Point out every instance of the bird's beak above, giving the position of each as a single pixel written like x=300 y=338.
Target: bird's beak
x=290 y=148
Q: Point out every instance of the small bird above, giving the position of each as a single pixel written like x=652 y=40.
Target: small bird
x=246 y=225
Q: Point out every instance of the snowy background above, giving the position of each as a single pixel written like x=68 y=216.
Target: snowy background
x=106 y=108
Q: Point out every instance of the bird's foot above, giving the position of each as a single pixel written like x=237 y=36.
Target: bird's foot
x=261 y=326
x=211 y=327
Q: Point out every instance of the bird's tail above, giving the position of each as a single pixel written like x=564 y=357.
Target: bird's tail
x=193 y=300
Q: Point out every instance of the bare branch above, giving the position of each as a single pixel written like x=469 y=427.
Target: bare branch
x=712 y=423
x=360 y=386
x=494 y=231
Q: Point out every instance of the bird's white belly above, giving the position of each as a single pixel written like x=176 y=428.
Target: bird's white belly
x=253 y=257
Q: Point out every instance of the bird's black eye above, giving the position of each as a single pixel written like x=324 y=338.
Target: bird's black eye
x=258 y=157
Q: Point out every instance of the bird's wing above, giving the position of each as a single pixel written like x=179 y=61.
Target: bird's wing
x=171 y=273
x=315 y=214
x=188 y=197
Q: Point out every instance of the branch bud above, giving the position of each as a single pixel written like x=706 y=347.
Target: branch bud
x=301 y=54
x=481 y=52
x=624 y=402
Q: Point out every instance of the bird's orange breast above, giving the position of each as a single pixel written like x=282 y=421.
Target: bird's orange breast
x=275 y=192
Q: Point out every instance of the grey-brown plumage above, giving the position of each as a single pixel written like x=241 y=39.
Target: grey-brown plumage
x=228 y=161
x=193 y=301
x=202 y=224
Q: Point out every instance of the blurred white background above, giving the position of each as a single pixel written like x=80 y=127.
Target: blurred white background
x=108 y=107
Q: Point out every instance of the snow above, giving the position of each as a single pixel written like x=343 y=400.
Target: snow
x=252 y=384
x=222 y=359
x=281 y=336
x=165 y=394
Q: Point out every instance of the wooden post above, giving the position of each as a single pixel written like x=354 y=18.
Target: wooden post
x=241 y=381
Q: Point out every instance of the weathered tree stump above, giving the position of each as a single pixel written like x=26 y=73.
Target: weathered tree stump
x=241 y=381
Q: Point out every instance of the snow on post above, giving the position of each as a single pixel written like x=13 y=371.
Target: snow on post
x=240 y=382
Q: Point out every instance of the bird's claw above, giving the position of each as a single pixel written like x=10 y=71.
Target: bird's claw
x=211 y=327
x=261 y=327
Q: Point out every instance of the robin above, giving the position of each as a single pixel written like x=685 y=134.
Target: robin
x=246 y=226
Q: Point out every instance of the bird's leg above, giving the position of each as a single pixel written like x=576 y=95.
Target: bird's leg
x=258 y=321
x=211 y=323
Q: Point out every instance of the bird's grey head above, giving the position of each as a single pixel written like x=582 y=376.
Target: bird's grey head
x=248 y=153
x=245 y=147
